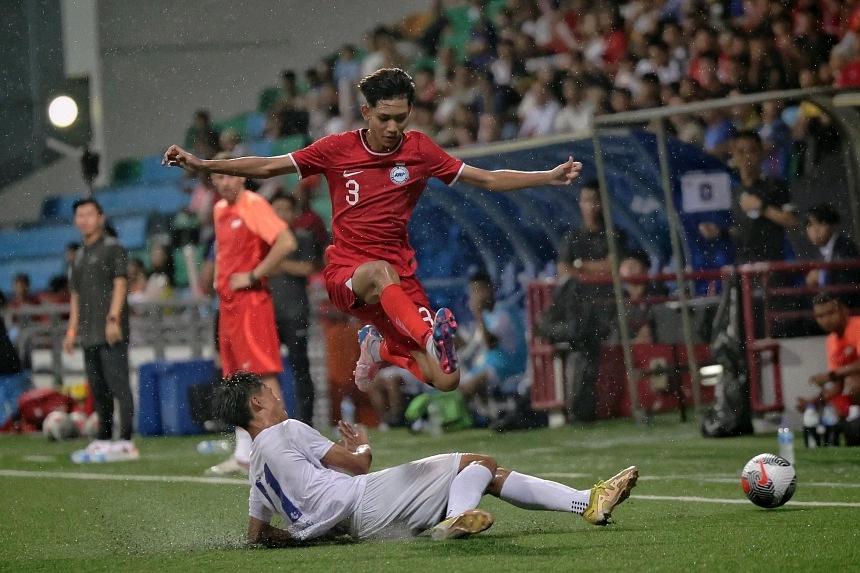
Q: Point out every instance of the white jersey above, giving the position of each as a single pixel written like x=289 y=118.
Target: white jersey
x=288 y=478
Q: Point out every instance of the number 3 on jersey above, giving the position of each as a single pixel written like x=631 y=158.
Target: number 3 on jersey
x=352 y=188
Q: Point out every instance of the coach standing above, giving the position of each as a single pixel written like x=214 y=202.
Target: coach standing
x=99 y=316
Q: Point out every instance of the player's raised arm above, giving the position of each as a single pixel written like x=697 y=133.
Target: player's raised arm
x=254 y=167
x=510 y=180
x=353 y=454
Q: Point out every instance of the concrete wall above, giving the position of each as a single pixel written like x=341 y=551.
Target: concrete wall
x=160 y=60
x=800 y=359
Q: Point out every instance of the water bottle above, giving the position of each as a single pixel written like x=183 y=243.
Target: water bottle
x=810 y=425
x=347 y=410
x=213 y=447
x=785 y=438
x=434 y=417
x=830 y=421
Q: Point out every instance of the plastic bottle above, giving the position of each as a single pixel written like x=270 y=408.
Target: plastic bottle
x=830 y=421
x=213 y=447
x=347 y=410
x=785 y=439
x=434 y=418
x=810 y=423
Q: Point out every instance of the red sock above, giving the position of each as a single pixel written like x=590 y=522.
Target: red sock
x=403 y=313
x=405 y=362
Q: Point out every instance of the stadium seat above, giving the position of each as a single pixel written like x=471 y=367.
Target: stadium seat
x=42 y=241
x=131 y=231
x=41 y=270
x=152 y=171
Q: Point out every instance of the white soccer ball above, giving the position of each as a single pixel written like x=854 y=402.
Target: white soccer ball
x=91 y=428
x=768 y=480
x=58 y=426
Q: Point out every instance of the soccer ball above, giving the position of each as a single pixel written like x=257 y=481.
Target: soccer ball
x=58 y=426
x=768 y=480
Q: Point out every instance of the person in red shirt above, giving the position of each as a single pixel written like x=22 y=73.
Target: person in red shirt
x=250 y=242
x=376 y=176
x=841 y=383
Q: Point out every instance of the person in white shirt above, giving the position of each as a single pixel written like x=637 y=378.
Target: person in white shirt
x=320 y=488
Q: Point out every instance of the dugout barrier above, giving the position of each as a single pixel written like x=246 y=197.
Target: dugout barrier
x=662 y=380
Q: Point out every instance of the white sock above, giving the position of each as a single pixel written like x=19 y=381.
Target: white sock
x=530 y=492
x=467 y=488
x=242 y=453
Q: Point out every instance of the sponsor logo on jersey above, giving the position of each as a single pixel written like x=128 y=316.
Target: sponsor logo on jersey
x=236 y=223
x=399 y=174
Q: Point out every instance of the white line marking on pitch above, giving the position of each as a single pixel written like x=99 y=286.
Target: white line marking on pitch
x=730 y=480
x=696 y=499
x=123 y=477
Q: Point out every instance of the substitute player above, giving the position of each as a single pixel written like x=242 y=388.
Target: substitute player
x=376 y=176
x=250 y=242
x=298 y=474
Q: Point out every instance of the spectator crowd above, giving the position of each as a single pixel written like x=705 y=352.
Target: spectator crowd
x=493 y=70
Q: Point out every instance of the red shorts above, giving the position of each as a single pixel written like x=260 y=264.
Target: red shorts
x=338 y=283
x=247 y=335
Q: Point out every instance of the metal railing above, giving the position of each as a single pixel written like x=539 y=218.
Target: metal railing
x=547 y=370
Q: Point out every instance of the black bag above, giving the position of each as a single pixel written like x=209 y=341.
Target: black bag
x=573 y=318
x=730 y=415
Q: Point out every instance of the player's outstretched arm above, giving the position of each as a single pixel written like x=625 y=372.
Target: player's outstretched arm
x=253 y=167
x=261 y=533
x=510 y=180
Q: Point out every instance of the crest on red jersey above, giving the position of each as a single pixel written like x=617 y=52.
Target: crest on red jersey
x=399 y=174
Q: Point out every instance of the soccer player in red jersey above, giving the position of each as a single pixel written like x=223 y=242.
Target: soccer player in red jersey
x=250 y=242
x=376 y=176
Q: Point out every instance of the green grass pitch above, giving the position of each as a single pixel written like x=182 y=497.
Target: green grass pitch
x=51 y=522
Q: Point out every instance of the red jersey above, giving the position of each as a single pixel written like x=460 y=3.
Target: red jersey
x=244 y=233
x=373 y=194
x=844 y=350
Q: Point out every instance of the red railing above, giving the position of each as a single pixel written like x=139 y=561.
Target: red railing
x=760 y=275
x=547 y=370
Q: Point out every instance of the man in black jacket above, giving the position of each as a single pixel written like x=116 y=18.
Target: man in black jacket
x=822 y=230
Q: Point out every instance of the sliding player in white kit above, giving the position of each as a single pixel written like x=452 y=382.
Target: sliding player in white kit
x=305 y=478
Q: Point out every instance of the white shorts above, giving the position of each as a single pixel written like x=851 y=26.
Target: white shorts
x=405 y=500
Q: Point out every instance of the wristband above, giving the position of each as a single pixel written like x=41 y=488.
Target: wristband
x=253 y=278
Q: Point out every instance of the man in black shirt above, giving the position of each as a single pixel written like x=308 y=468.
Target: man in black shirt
x=583 y=253
x=99 y=317
x=289 y=293
x=763 y=209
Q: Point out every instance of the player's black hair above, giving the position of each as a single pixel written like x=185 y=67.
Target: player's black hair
x=826 y=298
x=87 y=201
x=387 y=83
x=230 y=399
x=824 y=213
